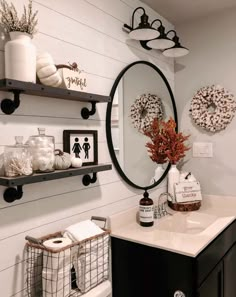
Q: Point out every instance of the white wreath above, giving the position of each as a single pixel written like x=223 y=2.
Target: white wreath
x=143 y=111
x=213 y=108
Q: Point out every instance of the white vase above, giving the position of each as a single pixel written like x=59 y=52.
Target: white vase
x=20 y=58
x=158 y=174
x=173 y=177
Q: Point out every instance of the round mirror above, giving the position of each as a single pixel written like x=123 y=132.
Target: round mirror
x=135 y=87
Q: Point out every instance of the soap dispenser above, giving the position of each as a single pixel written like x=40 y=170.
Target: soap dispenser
x=146 y=211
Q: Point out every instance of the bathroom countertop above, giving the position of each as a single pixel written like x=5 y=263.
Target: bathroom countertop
x=124 y=225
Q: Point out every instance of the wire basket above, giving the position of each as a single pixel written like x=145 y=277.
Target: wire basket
x=70 y=271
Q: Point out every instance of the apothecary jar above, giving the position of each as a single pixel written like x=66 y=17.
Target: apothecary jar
x=17 y=159
x=42 y=150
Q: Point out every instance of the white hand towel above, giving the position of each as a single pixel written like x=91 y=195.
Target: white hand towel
x=82 y=230
x=91 y=270
x=98 y=244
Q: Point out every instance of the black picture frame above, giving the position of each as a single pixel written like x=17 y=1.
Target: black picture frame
x=74 y=142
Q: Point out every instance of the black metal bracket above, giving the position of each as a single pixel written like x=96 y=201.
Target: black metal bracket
x=86 y=113
x=8 y=106
x=11 y=194
x=87 y=179
x=144 y=44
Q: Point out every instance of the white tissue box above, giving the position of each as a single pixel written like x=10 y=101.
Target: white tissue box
x=188 y=191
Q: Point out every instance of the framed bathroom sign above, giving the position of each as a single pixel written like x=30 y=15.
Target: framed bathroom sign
x=83 y=144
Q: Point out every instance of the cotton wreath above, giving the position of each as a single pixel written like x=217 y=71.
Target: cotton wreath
x=213 y=108
x=144 y=109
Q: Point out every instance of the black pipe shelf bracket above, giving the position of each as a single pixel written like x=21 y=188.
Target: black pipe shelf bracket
x=8 y=106
x=87 y=179
x=15 y=185
x=86 y=113
x=11 y=194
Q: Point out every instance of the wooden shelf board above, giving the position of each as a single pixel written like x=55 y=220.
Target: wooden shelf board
x=28 y=88
x=57 y=174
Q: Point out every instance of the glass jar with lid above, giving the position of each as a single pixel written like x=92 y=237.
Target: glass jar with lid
x=42 y=150
x=17 y=159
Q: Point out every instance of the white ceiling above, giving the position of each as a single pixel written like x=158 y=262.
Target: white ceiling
x=179 y=11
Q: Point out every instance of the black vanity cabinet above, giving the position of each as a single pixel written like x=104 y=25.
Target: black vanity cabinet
x=143 y=271
x=222 y=280
x=229 y=266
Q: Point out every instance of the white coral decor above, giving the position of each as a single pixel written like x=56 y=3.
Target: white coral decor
x=213 y=108
x=145 y=108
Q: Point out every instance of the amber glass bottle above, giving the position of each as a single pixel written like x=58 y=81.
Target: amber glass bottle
x=146 y=211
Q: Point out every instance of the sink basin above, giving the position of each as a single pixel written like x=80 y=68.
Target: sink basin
x=189 y=222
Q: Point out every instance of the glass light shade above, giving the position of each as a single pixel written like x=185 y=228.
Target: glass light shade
x=161 y=44
x=144 y=34
x=176 y=52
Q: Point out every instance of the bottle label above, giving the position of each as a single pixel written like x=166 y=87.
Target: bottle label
x=146 y=213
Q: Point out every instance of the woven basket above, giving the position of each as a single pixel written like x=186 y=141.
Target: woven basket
x=185 y=206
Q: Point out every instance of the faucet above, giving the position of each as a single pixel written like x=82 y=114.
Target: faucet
x=160 y=209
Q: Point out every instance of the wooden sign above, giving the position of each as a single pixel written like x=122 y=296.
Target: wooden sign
x=73 y=78
x=188 y=191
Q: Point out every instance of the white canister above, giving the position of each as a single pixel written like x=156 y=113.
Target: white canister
x=42 y=150
x=20 y=58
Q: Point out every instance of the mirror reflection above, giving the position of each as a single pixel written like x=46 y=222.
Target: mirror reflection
x=130 y=112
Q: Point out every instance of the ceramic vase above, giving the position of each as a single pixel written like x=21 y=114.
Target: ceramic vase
x=173 y=177
x=158 y=174
x=20 y=58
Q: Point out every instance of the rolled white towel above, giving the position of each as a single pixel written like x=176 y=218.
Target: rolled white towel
x=91 y=270
x=82 y=230
x=99 y=244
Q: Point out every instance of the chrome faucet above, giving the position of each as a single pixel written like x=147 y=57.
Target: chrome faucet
x=160 y=210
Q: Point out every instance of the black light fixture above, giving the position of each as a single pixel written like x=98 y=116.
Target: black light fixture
x=144 y=30
x=151 y=38
x=162 y=41
x=177 y=50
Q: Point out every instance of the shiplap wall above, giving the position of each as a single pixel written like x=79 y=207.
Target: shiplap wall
x=90 y=33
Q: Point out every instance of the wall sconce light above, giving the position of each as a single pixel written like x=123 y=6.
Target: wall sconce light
x=145 y=32
x=177 y=50
x=162 y=41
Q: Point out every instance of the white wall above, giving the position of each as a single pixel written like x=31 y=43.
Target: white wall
x=212 y=60
x=90 y=33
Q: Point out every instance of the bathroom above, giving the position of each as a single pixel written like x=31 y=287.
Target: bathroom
x=90 y=33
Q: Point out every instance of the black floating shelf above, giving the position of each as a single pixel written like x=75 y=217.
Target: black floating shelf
x=17 y=87
x=11 y=194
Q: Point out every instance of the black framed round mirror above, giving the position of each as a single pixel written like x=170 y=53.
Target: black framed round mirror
x=125 y=142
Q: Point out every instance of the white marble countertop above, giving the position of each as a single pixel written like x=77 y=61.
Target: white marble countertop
x=124 y=225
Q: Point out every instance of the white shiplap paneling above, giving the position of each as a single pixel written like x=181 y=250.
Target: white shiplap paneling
x=89 y=32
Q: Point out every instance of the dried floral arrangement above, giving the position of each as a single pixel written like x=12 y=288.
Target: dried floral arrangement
x=10 y=20
x=213 y=108
x=166 y=144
